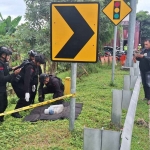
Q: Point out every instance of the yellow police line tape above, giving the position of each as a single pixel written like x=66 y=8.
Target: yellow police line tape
x=37 y=105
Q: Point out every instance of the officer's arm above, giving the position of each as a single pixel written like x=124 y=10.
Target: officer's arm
x=27 y=78
x=10 y=69
x=56 y=84
x=138 y=58
x=40 y=89
x=146 y=57
x=3 y=78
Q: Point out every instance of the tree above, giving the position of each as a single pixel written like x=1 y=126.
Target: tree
x=7 y=30
x=37 y=14
x=8 y=26
x=144 y=18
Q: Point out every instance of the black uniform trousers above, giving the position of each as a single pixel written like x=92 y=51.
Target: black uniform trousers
x=19 y=90
x=3 y=104
x=33 y=94
x=145 y=86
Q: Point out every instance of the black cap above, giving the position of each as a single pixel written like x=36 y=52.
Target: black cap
x=32 y=53
x=4 y=50
x=9 y=52
x=42 y=77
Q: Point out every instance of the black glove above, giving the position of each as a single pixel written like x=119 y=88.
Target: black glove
x=41 y=99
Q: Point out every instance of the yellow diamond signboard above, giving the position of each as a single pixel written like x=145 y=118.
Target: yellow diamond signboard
x=74 y=32
x=117 y=10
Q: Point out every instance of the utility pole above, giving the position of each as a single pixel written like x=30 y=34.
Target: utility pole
x=131 y=33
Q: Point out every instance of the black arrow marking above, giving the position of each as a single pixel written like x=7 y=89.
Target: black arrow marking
x=82 y=32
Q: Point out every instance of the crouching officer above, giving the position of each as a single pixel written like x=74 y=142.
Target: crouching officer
x=53 y=85
x=22 y=84
x=4 y=78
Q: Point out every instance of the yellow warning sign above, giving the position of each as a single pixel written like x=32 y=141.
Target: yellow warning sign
x=74 y=31
x=117 y=10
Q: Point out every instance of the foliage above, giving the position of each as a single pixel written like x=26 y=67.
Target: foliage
x=37 y=13
x=144 y=18
x=38 y=17
x=96 y=95
x=8 y=26
x=89 y=67
x=8 y=38
x=18 y=47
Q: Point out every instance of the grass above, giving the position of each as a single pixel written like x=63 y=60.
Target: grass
x=95 y=92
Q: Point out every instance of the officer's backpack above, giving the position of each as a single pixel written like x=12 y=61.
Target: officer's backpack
x=53 y=76
x=21 y=74
x=24 y=63
x=60 y=81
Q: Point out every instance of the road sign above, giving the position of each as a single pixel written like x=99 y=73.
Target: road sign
x=74 y=32
x=117 y=10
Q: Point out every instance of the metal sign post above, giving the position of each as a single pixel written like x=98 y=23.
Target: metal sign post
x=131 y=31
x=114 y=55
x=73 y=99
x=74 y=38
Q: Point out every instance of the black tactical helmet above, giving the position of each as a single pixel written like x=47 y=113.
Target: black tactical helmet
x=40 y=58
x=42 y=77
x=32 y=53
x=9 y=52
x=4 y=50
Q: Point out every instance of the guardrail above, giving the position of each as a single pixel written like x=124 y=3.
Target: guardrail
x=129 y=121
x=96 y=139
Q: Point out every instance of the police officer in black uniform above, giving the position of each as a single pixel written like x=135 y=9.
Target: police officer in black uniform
x=32 y=54
x=4 y=78
x=144 y=65
x=53 y=85
x=22 y=84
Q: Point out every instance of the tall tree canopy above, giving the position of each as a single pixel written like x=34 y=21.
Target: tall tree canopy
x=38 y=15
x=37 y=31
x=144 y=18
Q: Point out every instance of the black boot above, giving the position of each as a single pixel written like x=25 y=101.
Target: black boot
x=16 y=115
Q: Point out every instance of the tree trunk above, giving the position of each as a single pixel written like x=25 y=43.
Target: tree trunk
x=18 y=56
x=53 y=68
x=44 y=67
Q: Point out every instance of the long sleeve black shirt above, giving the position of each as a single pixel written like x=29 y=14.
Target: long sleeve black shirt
x=27 y=75
x=144 y=64
x=4 y=76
